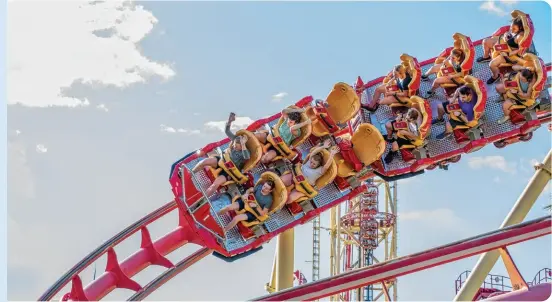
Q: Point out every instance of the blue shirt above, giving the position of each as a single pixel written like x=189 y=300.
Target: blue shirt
x=264 y=201
x=467 y=107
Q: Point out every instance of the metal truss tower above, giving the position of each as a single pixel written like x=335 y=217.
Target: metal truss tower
x=368 y=222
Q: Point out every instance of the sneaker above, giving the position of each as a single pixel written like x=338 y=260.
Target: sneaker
x=482 y=59
x=492 y=80
x=443 y=135
x=389 y=157
x=425 y=77
x=430 y=93
x=504 y=119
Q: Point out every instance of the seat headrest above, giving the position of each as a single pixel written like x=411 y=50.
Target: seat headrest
x=330 y=174
x=254 y=147
x=413 y=67
x=424 y=109
x=481 y=90
x=279 y=193
x=343 y=103
x=465 y=44
x=368 y=143
x=528 y=29
x=536 y=64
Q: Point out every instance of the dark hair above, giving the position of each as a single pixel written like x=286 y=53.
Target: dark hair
x=318 y=157
x=528 y=74
x=458 y=53
x=412 y=113
x=270 y=183
x=517 y=22
x=295 y=116
x=465 y=90
x=398 y=67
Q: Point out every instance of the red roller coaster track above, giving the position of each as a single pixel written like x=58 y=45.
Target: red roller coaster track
x=119 y=274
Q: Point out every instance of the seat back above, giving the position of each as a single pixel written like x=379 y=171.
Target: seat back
x=465 y=44
x=368 y=143
x=343 y=103
x=528 y=30
x=279 y=193
x=481 y=90
x=254 y=147
x=305 y=130
x=330 y=174
x=413 y=68
x=425 y=120
x=536 y=64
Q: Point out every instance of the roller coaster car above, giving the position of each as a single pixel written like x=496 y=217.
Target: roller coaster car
x=415 y=71
x=366 y=146
x=472 y=131
x=279 y=197
x=283 y=150
x=524 y=44
x=341 y=105
x=527 y=112
x=301 y=184
x=415 y=152
x=225 y=163
x=465 y=44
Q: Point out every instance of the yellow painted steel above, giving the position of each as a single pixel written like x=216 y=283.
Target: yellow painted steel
x=285 y=260
x=387 y=239
x=518 y=213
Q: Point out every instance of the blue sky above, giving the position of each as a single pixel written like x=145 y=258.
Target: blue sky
x=234 y=56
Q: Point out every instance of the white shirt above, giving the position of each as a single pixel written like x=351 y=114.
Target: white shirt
x=311 y=174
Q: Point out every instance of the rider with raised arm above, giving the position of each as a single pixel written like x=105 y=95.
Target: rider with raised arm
x=289 y=130
x=311 y=168
x=263 y=195
x=238 y=154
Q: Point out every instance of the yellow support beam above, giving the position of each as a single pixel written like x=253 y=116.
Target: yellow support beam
x=285 y=260
x=518 y=213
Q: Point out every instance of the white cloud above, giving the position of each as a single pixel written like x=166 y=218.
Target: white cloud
x=491 y=7
x=102 y=107
x=494 y=162
x=74 y=41
x=279 y=96
x=196 y=114
x=40 y=148
x=496 y=179
x=240 y=123
x=168 y=129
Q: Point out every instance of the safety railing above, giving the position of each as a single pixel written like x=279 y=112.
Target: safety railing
x=217 y=217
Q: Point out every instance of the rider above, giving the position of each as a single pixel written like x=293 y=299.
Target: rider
x=312 y=171
x=455 y=61
x=512 y=38
x=466 y=98
x=401 y=79
x=289 y=130
x=526 y=80
x=263 y=195
x=411 y=132
x=238 y=154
